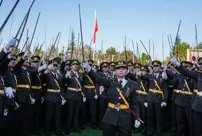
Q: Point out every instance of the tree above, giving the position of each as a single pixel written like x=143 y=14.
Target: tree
x=144 y=59
x=199 y=46
x=180 y=49
x=111 y=53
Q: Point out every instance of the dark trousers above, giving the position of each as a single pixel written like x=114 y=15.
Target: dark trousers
x=89 y=111
x=110 y=130
x=154 y=118
x=36 y=108
x=52 y=116
x=72 y=108
x=184 y=122
x=174 y=119
x=103 y=102
x=143 y=116
x=9 y=123
x=23 y=119
x=197 y=116
x=1 y=123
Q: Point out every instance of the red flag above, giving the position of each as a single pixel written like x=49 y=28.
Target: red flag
x=95 y=28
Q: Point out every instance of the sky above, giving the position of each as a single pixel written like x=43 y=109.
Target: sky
x=135 y=19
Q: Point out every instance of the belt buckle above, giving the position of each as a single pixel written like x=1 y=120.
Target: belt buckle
x=117 y=106
x=27 y=86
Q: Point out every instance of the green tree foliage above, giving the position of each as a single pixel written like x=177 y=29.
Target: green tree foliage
x=199 y=46
x=180 y=50
x=144 y=59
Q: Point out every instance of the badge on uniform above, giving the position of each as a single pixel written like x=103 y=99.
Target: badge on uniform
x=127 y=92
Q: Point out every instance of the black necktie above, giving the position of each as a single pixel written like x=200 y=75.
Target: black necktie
x=120 y=82
x=55 y=76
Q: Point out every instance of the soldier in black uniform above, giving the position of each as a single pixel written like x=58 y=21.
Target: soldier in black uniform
x=130 y=74
x=172 y=77
x=102 y=92
x=7 y=104
x=90 y=92
x=10 y=82
x=36 y=91
x=142 y=94
x=183 y=102
x=23 y=95
x=156 y=98
x=73 y=93
x=53 y=98
x=121 y=97
x=192 y=97
x=1 y=105
x=112 y=68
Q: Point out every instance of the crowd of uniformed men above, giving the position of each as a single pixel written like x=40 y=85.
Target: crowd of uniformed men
x=60 y=95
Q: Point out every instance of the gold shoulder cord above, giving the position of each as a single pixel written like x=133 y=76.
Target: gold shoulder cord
x=59 y=89
x=126 y=103
x=79 y=86
x=91 y=82
x=159 y=88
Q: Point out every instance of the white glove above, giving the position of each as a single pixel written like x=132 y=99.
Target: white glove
x=200 y=93
x=139 y=73
x=174 y=61
x=163 y=104
x=5 y=112
x=164 y=75
x=145 y=104
x=86 y=66
x=50 y=66
x=42 y=99
x=44 y=66
x=150 y=68
x=137 y=124
x=96 y=96
x=26 y=54
x=102 y=89
x=9 y=56
x=9 y=92
x=67 y=74
x=84 y=99
x=46 y=71
x=64 y=58
x=164 y=67
x=11 y=43
x=63 y=102
x=32 y=101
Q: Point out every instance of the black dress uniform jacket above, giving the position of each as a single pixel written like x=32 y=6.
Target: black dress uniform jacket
x=73 y=82
x=53 y=83
x=112 y=116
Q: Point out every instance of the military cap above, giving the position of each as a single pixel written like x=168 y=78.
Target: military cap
x=186 y=63
x=75 y=62
x=130 y=63
x=156 y=63
x=137 y=65
x=112 y=64
x=96 y=66
x=121 y=64
x=145 y=68
x=200 y=60
x=35 y=59
x=90 y=62
x=58 y=59
x=104 y=64
x=68 y=62
x=21 y=54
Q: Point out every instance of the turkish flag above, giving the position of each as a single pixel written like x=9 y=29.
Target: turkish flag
x=95 y=28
